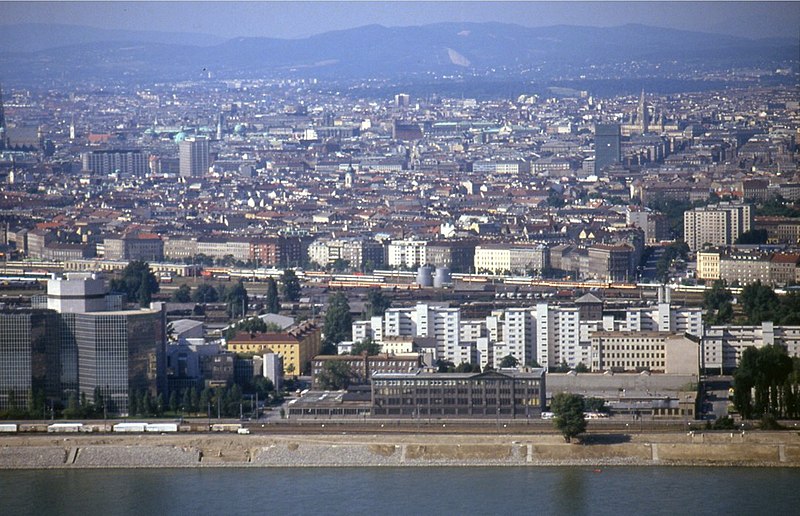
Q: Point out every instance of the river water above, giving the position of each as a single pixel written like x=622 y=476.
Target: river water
x=389 y=491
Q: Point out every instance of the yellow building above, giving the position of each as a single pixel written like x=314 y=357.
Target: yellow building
x=708 y=264
x=297 y=346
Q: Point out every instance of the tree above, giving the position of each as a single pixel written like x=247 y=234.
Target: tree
x=335 y=375
x=761 y=382
x=759 y=303
x=717 y=303
x=205 y=293
x=186 y=401
x=273 y=303
x=338 y=321
x=445 y=366
x=183 y=294
x=581 y=368
x=368 y=346
x=145 y=292
x=509 y=361
x=753 y=237
x=595 y=405
x=236 y=300
x=135 y=278
x=133 y=403
x=290 y=286
x=173 y=401
x=377 y=303
x=568 y=411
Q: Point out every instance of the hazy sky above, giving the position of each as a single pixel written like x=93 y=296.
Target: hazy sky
x=303 y=18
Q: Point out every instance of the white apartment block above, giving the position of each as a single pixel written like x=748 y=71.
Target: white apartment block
x=723 y=345
x=717 y=224
x=550 y=334
x=513 y=259
x=407 y=253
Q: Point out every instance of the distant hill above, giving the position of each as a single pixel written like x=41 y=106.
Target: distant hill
x=364 y=52
x=35 y=37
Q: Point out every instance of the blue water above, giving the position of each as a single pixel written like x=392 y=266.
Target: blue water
x=379 y=491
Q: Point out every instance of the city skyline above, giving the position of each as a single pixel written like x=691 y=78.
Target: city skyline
x=300 y=19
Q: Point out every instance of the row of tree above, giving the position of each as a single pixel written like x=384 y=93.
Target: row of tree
x=767 y=383
x=759 y=303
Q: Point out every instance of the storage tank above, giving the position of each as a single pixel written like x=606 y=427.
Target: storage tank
x=425 y=276
x=442 y=277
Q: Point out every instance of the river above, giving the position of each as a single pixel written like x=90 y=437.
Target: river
x=389 y=491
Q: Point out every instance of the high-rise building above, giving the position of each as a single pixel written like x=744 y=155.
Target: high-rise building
x=29 y=359
x=126 y=162
x=606 y=146
x=79 y=345
x=193 y=155
x=716 y=224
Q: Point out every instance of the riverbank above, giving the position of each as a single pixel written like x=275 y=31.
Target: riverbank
x=779 y=449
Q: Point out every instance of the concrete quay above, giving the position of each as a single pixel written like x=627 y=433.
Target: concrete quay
x=779 y=449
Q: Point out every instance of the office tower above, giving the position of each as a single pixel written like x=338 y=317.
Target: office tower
x=120 y=353
x=220 y=121
x=29 y=359
x=193 y=155
x=717 y=224
x=606 y=146
x=80 y=345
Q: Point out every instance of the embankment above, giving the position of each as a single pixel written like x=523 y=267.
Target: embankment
x=215 y=450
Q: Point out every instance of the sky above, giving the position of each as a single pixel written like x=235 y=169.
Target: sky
x=295 y=19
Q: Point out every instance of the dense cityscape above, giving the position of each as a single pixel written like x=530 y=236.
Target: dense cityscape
x=256 y=249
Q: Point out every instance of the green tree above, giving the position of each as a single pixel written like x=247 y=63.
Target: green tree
x=509 y=361
x=195 y=405
x=445 y=366
x=205 y=293
x=753 y=237
x=135 y=277
x=236 y=300
x=133 y=403
x=581 y=368
x=338 y=322
x=183 y=294
x=146 y=406
x=290 y=286
x=760 y=382
x=186 y=401
x=717 y=303
x=145 y=292
x=335 y=375
x=340 y=265
x=368 y=346
x=205 y=399
x=759 y=303
x=173 y=401
x=377 y=303
x=73 y=406
x=273 y=303
x=249 y=325
x=568 y=411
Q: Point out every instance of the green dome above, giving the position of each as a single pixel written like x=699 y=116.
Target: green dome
x=179 y=137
